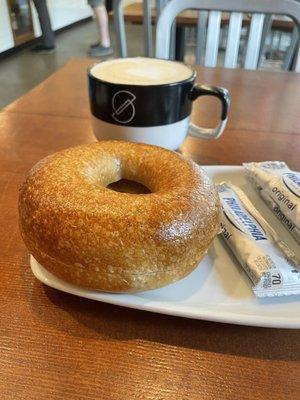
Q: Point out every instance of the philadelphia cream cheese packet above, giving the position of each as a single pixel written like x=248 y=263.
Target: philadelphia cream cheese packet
x=270 y=264
x=279 y=187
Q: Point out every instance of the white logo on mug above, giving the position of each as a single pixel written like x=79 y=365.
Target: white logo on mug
x=122 y=104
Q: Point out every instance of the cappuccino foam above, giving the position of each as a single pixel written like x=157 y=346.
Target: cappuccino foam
x=141 y=71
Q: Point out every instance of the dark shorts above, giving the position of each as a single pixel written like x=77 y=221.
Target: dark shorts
x=96 y=3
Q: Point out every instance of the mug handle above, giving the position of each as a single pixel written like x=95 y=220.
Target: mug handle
x=223 y=95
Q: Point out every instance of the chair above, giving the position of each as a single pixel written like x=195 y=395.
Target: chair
x=259 y=11
x=120 y=27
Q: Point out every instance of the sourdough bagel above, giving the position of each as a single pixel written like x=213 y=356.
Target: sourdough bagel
x=95 y=237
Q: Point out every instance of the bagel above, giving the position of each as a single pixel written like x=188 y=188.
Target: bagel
x=95 y=237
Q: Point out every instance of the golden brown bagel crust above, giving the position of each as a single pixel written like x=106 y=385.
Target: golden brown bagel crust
x=95 y=237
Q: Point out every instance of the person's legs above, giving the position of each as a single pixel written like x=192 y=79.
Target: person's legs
x=103 y=47
x=102 y=23
x=47 y=33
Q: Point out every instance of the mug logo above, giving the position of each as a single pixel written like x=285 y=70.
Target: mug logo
x=122 y=104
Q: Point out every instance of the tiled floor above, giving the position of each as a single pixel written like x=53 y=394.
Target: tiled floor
x=24 y=70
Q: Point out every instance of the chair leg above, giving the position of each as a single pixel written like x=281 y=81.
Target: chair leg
x=147 y=27
x=159 y=7
x=120 y=27
x=173 y=41
x=266 y=30
x=201 y=37
x=296 y=61
x=290 y=54
x=180 y=43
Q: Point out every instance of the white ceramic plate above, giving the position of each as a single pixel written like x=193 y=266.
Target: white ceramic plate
x=218 y=290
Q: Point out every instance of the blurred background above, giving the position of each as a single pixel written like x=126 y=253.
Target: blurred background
x=75 y=30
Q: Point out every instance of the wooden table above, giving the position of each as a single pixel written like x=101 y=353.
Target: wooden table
x=57 y=346
x=134 y=13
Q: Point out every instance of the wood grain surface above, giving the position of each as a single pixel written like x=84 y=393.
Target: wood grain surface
x=134 y=13
x=262 y=101
x=58 y=346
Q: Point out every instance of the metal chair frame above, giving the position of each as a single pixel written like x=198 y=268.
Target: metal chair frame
x=259 y=24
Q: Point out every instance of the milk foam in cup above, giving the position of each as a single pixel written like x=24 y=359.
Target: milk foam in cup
x=150 y=100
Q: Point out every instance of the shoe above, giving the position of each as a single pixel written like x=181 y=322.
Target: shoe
x=100 y=51
x=92 y=46
x=41 y=49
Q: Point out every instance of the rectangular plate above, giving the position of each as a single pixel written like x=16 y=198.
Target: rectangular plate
x=217 y=290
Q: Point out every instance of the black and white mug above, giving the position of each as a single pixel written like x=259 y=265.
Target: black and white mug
x=149 y=101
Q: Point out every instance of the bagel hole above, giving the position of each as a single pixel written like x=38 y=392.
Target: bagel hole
x=127 y=186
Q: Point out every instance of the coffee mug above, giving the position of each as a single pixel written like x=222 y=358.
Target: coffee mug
x=149 y=100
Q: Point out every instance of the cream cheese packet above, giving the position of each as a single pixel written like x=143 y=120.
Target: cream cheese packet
x=279 y=187
x=270 y=264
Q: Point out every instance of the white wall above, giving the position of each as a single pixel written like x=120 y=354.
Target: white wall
x=62 y=13
x=6 y=35
x=66 y=12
